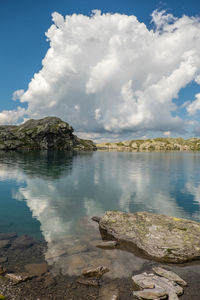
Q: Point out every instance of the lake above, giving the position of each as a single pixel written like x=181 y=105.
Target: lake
x=52 y=195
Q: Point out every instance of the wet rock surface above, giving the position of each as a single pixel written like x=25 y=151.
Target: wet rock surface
x=162 y=237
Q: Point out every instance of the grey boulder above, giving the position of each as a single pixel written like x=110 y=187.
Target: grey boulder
x=161 y=237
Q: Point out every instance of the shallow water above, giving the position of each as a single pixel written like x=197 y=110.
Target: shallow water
x=51 y=196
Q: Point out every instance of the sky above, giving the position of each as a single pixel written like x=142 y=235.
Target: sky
x=114 y=70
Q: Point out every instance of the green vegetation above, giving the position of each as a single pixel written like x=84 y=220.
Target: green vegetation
x=120 y=144
x=169 y=250
x=157 y=144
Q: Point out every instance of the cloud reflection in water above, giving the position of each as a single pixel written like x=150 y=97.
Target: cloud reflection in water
x=61 y=190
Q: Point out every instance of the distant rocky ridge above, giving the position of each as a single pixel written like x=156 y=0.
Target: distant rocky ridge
x=157 y=144
x=47 y=133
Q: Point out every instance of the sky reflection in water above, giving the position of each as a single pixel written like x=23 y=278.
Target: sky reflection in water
x=50 y=194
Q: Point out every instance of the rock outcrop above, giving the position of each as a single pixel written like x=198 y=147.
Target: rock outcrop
x=47 y=133
x=157 y=144
x=161 y=237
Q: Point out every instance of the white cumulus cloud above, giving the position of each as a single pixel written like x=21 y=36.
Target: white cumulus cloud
x=110 y=73
x=17 y=94
x=11 y=116
x=194 y=106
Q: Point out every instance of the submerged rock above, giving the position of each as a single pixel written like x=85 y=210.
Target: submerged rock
x=3 y=270
x=107 y=245
x=76 y=263
x=96 y=219
x=3 y=259
x=22 y=242
x=95 y=272
x=162 y=237
x=77 y=249
x=109 y=292
x=37 y=269
x=7 y=236
x=86 y=281
x=47 y=133
x=4 y=243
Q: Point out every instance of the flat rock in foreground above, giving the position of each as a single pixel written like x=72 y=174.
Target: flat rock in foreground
x=162 y=237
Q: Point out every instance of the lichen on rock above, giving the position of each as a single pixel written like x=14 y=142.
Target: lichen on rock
x=161 y=237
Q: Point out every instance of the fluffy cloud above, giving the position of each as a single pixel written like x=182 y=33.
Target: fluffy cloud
x=110 y=73
x=11 y=116
x=17 y=94
x=194 y=106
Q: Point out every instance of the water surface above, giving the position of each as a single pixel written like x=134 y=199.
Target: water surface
x=50 y=195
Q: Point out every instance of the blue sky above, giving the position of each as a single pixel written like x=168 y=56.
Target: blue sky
x=23 y=46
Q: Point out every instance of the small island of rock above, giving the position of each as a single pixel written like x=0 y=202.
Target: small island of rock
x=47 y=133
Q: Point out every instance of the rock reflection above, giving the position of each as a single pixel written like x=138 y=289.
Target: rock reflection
x=62 y=190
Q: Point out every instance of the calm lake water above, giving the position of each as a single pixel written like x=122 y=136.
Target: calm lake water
x=51 y=195
x=48 y=192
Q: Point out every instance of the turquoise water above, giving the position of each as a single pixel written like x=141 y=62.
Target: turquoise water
x=48 y=194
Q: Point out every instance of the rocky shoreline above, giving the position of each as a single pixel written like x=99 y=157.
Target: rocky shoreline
x=27 y=274
x=156 y=144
